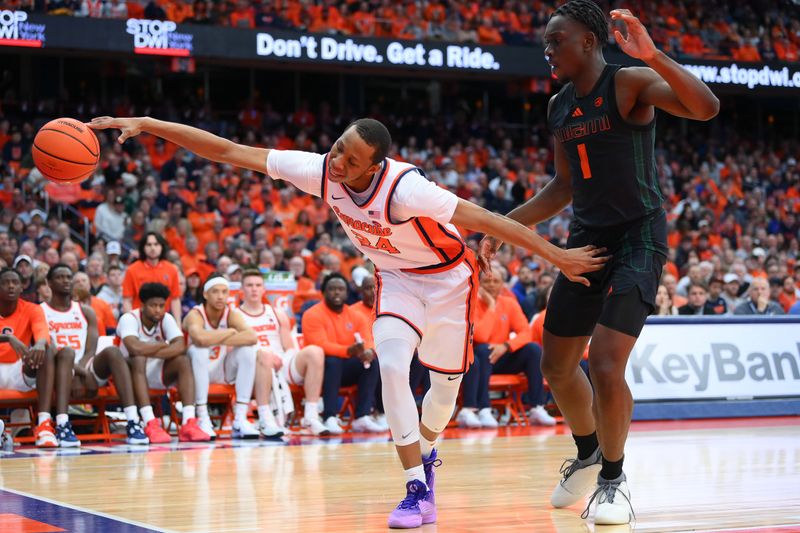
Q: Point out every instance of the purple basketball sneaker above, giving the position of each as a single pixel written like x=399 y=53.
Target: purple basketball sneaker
x=428 y=503
x=408 y=514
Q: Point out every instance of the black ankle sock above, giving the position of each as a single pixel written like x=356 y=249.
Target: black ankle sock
x=611 y=469
x=587 y=444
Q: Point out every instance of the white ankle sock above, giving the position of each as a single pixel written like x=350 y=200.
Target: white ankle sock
x=202 y=410
x=426 y=446
x=310 y=412
x=44 y=416
x=188 y=412
x=240 y=412
x=131 y=414
x=265 y=415
x=62 y=419
x=147 y=414
x=416 y=472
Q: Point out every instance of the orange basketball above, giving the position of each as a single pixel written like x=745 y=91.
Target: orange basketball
x=66 y=151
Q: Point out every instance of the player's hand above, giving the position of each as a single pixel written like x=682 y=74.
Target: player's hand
x=356 y=349
x=130 y=127
x=577 y=261
x=496 y=351
x=638 y=43
x=487 y=249
x=36 y=356
x=20 y=349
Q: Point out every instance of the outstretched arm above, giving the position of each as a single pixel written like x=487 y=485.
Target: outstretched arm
x=572 y=262
x=666 y=84
x=205 y=144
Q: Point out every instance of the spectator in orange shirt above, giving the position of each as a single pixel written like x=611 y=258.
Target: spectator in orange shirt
x=151 y=267
x=202 y=221
x=788 y=295
x=496 y=316
x=350 y=358
x=366 y=290
x=305 y=291
x=25 y=361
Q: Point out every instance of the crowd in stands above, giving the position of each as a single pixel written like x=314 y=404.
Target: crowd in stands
x=716 y=29
x=733 y=207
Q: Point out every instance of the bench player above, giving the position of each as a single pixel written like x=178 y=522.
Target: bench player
x=73 y=328
x=277 y=349
x=152 y=340
x=222 y=348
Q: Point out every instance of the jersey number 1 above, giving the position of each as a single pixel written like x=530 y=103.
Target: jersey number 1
x=584 y=157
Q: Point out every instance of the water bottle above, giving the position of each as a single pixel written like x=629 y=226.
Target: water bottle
x=359 y=340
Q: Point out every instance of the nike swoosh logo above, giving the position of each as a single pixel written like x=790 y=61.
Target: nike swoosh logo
x=407 y=434
x=452 y=378
x=338 y=197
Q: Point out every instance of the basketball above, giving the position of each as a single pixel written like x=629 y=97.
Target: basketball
x=66 y=151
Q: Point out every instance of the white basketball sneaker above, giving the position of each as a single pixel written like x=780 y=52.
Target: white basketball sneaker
x=334 y=425
x=366 y=424
x=468 y=419
x=206 y=426
x=486 y=418
x=315 y=425
x=613 y=502
x=244 y=429
x=580 y=476
x=270 y=429
x=539 y=416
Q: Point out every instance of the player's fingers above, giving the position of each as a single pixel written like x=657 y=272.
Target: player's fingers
x=619 y=38
x=581 y=280
x=124 y=137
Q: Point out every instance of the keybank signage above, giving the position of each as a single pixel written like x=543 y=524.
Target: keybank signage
x=159 y=37
x=377 y=52
x=692 y=361
x=15 y=30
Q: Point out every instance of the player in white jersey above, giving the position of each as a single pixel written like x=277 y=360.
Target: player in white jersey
x=426 y=281
x=153 y=342
x=73 y=328
x=222 y=348
x=277 y=349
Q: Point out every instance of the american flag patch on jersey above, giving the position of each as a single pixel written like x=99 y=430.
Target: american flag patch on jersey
x=373 y=214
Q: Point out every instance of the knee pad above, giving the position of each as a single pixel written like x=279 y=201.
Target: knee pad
x=389 y=327
x=440 y=400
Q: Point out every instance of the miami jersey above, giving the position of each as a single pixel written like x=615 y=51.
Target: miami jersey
x=68 y=329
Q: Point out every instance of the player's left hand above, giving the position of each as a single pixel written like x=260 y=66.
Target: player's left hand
x=487 y=249
x=638 y=44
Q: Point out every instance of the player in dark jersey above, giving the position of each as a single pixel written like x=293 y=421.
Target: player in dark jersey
x=603 y=120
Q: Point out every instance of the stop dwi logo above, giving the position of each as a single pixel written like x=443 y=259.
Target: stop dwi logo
x=158 y=37
x=15 y=30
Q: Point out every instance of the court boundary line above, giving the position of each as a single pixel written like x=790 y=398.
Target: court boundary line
x=774 y=527
x=88 y=511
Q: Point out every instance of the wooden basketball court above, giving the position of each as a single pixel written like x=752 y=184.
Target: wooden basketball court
x=737 y=475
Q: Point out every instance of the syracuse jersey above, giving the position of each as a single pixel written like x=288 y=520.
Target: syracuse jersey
x=267 y=328
x=216 y=351
x=67 y=328
x=418 y=244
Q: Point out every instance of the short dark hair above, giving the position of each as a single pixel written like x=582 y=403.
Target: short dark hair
x=375 y=134
x=330 y=277
x=589 y=14
x=4 y=270
x=161 y=241
x=114 y=267
x=51 y=272
x=153 y=290
x=700 y=284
